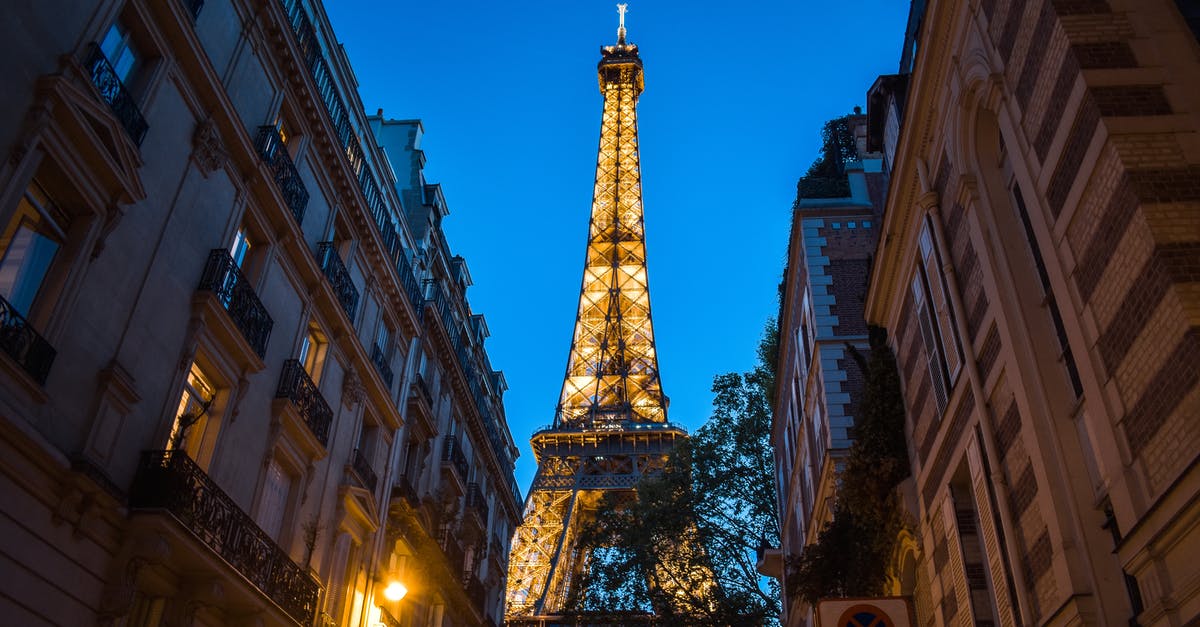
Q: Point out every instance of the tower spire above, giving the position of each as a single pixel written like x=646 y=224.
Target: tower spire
x=621 y=9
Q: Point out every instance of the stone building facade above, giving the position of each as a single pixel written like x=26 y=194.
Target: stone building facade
x=819 y=384
x=1037 y=272
x=240 y=381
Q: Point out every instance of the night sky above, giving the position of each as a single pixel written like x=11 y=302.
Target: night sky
x=731 y=117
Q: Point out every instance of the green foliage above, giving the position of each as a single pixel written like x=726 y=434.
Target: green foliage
x=696 y=526
x=826 y=177
x=853 y=551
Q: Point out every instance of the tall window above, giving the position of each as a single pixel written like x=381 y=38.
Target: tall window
x=239 y=248
x=30 y=242
x=277 y=491
x=935 y=319
x=193 y=416
x=312 y=353
x=122 y=54
x=1066 y=357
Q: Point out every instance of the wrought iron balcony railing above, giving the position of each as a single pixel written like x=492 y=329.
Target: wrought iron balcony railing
x=455 y=555
x=223 y=278
x=26 y=346
x=362 y=468
x=170 y=481
x=296 y=386
x=339 y=278
x=381 y=364
x=423 y=389
x=452 y=454
x=406 y=488
x=274 y=153
x=476 y=503
x=475 y=591
x=113 y=92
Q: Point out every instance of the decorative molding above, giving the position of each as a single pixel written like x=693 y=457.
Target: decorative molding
x=208 y=151
x=353 y=390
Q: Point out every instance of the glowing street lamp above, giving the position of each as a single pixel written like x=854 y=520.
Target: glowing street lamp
x=394 y=591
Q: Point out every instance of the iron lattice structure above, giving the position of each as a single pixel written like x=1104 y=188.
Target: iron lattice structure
x=610 y=428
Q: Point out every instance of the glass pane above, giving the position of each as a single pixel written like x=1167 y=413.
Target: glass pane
x=275 y=497
x=241 y=245
x=27 y=248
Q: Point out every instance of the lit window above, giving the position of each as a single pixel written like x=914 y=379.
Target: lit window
x=30 y=242
x=241 y=246
x=312 y=353
x=192 y=417
x=120 y=51
x=282 y=129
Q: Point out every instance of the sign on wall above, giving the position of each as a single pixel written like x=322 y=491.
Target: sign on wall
x=866 y=612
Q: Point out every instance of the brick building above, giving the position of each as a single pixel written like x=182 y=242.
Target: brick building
x=834 y=227
x=1037 y=270
x=240 y=380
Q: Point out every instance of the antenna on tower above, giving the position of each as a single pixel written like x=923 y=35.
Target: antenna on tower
x=621 y=9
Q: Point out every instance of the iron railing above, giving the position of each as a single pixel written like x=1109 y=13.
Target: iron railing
x=339 y=277
x=328 y=93
x=452 y=454
x=423 y=389
x=26 y=346
x=362 y=468
x=381 y=364
x=476 y=504
x=475 y=591
x=113 y=92
x=455 y=555
x=223 y=278
x=296 y=386
x=274 y=153
x=406 y=489
x=170 y=481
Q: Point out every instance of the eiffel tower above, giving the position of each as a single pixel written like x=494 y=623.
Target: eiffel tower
x=610 y=428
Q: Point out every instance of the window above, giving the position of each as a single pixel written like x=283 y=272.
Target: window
x=239 y=248
x=282 y=128
x=383 y=340
x=122 y=54
x=193 y=415
x=1064 y=346
x=30 y=242
x=276 y=495
x=936 y=321
x=312 y=353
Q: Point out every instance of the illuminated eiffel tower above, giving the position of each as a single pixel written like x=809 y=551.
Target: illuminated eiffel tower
x=610 y=428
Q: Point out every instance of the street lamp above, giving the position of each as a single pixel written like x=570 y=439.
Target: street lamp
x=394 y=591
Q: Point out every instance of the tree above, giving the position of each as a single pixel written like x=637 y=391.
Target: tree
x=853 y=551
x=826 y=177
x=683 y=546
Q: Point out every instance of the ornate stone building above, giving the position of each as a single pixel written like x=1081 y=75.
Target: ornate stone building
x=240 y=381
x=1037 y=271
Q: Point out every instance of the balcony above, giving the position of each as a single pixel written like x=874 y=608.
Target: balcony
x=381 y=364
x=170 y=481
x=453 y=457
x=224 y=279
x=274 y=153
x=475 y=592
x=113 y=92
x=339 y=278
x=455 y=556
x=296 y=386
x=420 y=408
x=362 y=469
x=476 y=505
x=27 y=347
x=406 y=488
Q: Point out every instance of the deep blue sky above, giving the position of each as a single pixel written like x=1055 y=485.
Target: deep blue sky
x=731 y=117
